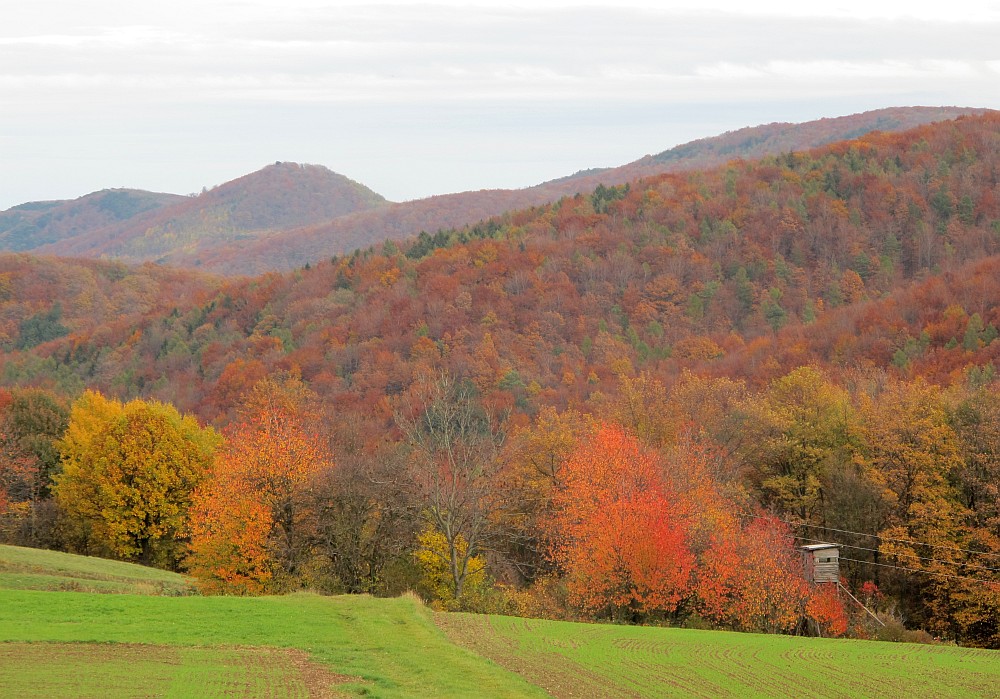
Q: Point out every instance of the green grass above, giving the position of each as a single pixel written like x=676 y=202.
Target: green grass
x=59 y=638
x=390 y=646
x=36 y=569
x=85 y=644
x=626 y=661
x=112 y=670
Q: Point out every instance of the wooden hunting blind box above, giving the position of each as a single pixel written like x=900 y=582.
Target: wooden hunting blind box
x=822 y=562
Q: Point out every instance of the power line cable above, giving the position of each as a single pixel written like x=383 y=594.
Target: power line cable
x=906 y=555
x=918 y=570
x=873 y=536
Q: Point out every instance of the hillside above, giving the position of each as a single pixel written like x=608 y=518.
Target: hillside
x=754 y=142
x=298 y=247
x=45 y=299
x=33 y=569
x=37 y=224
x=675 y=273
x=770 y=139
x=278 y=197
x=287 y=215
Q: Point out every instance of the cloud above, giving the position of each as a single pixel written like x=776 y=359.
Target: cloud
x=557 y=84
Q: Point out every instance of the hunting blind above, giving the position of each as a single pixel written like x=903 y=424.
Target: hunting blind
x=822 y=562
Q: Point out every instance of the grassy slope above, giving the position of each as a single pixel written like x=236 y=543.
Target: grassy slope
x=391 y=644
x=620 y=661
x=34 y=569
x=390 y=648
x=103 y=671
x=55 y=644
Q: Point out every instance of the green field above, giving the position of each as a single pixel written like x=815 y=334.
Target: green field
x=34 y=569
x=87 y=644
x=124 y=670
x=600 y=660
x=390 y=648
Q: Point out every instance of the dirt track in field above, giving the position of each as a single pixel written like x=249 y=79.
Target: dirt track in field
x=250 y=671
x=557 y=675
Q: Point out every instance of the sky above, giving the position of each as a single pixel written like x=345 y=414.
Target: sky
x=420 y=98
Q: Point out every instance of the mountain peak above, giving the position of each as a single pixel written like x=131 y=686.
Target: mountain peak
x=286 y=213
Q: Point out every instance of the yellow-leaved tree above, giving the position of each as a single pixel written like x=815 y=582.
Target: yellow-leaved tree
x=128 y=471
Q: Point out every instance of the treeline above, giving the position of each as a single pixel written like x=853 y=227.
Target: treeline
x=653 y=505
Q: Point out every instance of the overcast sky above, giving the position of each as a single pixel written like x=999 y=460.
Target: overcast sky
x=421 y=98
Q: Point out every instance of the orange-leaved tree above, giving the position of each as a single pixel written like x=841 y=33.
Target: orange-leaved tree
x=706 y=504
x=751 y=579
x=615 y=533
x=250 y=519
x=826 y=607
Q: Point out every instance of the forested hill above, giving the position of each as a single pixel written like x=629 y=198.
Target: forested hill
x=139 y=226
x=290 y=249
x=865 y=252
x=33 y=225
x=287 y=215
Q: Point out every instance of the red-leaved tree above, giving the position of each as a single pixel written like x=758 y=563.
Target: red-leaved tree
x=614 y=530
x=752 y=580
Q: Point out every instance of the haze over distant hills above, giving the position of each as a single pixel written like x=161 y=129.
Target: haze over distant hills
x=39 y=223
x=279 y=197
x=880 y=253
x=287 y=215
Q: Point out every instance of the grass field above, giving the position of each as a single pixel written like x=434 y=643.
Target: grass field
x=85 y=670
x=599 y=660
x=34 y=569
x=388 y=648
x=84 y=644
x=56 y=641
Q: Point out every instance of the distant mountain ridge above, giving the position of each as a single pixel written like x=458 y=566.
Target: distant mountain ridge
x=295 y=248
x=287 y=215
x=770 y=139
x=35 y=224
x=839 y=257
x=278 y=197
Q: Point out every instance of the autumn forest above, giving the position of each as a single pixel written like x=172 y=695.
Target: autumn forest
x=630 y=404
